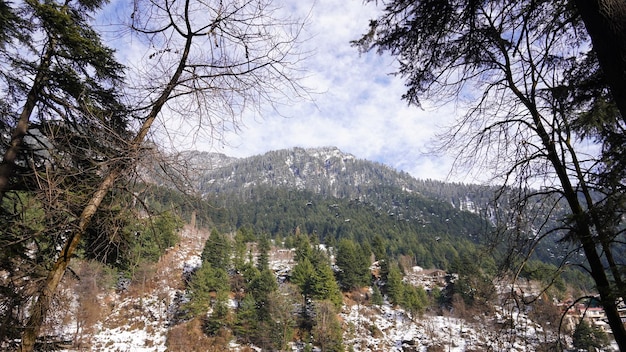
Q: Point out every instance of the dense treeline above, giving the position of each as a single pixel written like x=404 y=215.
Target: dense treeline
x=265 y=313
x=430 y=231
x=326 y=171
x=332 y=195
x=274 y=186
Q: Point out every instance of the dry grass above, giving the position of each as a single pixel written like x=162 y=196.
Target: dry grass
x=189 y=336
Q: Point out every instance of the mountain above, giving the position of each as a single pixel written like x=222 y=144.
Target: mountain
x=330 y=196
x=333 y=195
x=326 y=171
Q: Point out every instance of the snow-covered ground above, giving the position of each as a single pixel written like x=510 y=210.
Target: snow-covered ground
x=384 y=328
x=139 y=321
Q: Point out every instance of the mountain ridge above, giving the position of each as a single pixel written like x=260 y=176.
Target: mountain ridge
x=323 y=170
x=248 y=190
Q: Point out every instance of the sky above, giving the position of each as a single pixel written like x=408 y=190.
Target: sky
x=355 y=105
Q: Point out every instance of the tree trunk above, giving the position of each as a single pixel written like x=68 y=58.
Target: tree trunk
x=605 y=21
x=583 y=234
x=7 y=167
x=42 y=304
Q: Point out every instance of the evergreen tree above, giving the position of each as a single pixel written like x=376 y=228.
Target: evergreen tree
x=70 y=83
x=353 y=265
x=260 y=288
x=414 y=299
x=246 y=319
x=377 y=297
x=239 y=249
x=220 y=316
x=378 y=248
x=217 y=250
x=394 y=286
x=325 y=286
x=303 y=247
x=263 y=256
x=204 y=281
x=589 y=337
x=62 y=118
x=303 y=275
x=316 y=281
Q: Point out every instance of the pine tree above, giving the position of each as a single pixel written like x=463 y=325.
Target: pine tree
x=588 y=337
x=204 y=281
x=303 y=247
x=414 y=299
x=325 y=286
x=378 y=248
x=260 y=288
x=71 y=83
x=263 y=256
x=239 y=249
x=353 y=265
x=217 y=250
x=246 y=319
x=220 y=316
x=394 y=286
x=56 y=68
x=303 y=275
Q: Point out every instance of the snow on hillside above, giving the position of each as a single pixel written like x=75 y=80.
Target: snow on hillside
x=139 y=319
x=385 y=328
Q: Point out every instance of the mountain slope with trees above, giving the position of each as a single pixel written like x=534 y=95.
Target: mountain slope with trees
x=334 y=195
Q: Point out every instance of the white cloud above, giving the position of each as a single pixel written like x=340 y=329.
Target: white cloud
x=359 y=109
x=357 y=106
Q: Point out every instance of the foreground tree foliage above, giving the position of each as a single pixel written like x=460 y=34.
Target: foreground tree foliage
x=62 y=123
x=535 y=99
x=81 y=146
x=605 y=21
x=58 y=90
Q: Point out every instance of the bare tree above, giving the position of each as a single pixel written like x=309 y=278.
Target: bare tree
x=511 y=66
x=208 y=61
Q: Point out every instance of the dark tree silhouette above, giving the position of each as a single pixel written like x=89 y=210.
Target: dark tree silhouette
x=510 y=65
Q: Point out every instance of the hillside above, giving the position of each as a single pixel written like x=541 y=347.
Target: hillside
x=332 y=194
x=326 y=171
x=310 y=250
x=147 y=317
